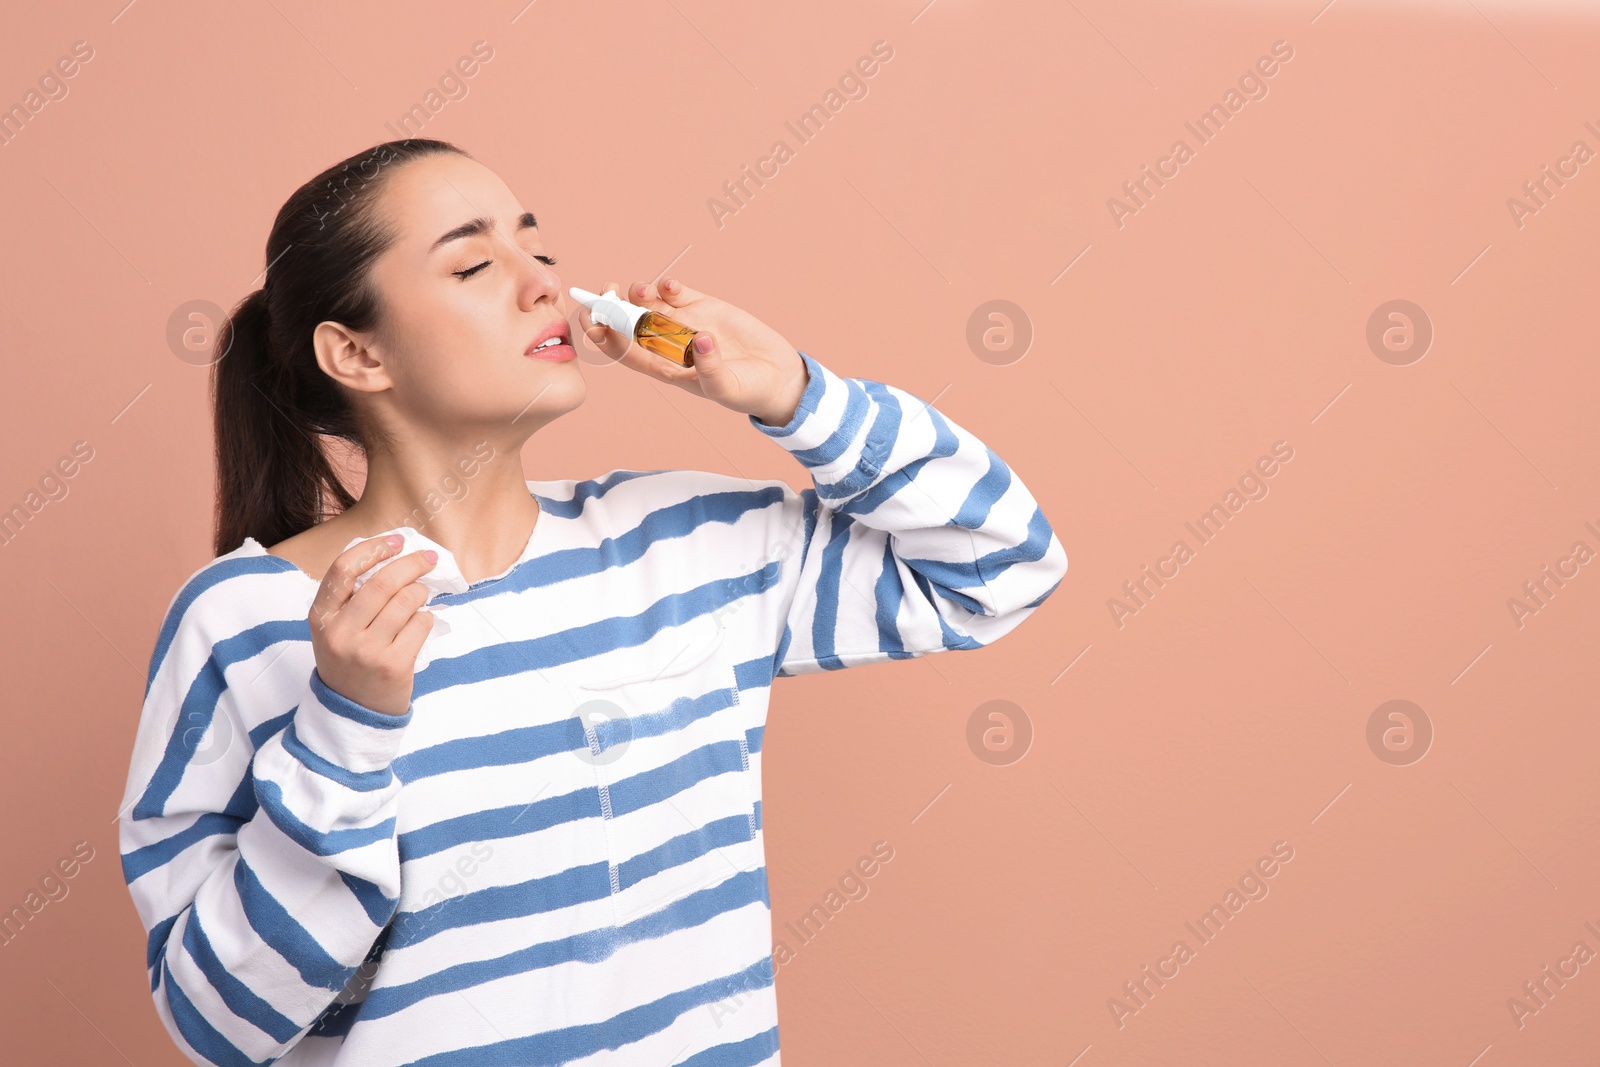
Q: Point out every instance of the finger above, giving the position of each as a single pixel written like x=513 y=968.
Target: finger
x=660 y=368
x=644 y=294
x=608 y=341
x=707 y=356
x=669 y=294
x=369 y=600
x=397 y=612
x=676 y=294
x=338 y=585
x=413 y=633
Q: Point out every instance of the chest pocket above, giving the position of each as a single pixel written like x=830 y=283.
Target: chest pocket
x=671 y=761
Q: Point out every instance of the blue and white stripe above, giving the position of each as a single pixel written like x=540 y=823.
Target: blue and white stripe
x=556 y=855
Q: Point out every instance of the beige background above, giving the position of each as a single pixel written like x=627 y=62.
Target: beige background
x=1227 y=314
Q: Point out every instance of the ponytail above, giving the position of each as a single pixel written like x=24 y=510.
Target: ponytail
x=271 y=401
x=271 y=474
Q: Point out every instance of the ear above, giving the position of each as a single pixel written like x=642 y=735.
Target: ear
x=350 y=358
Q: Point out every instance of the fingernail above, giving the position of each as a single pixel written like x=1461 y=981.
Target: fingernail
x=702 y=343
x=395 y=540
x=671 y=285
x=433 y=557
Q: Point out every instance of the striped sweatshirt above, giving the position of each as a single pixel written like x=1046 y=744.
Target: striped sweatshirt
x=555 y=855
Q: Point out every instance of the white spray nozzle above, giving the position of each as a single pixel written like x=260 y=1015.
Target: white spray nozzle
x=610 y=310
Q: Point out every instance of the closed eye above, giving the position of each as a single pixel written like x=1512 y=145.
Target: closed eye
x=470 y=271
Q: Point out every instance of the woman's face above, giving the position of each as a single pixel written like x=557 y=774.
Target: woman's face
x=453 y=342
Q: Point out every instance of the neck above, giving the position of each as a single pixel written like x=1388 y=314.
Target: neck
x=471 y=497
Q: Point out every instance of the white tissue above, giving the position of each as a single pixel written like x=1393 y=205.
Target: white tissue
x=444 y=577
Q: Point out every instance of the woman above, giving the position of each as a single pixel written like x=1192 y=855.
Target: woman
x=522 y=824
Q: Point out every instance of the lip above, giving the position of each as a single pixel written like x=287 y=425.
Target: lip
x=558 y=352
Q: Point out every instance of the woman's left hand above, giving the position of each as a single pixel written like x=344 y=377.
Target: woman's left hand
x=748 y=368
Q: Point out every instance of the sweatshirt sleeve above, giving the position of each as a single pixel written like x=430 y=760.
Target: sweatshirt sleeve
x=915 y=537
x=263 y=863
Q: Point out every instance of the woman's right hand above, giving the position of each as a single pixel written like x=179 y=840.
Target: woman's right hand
x=366 y=642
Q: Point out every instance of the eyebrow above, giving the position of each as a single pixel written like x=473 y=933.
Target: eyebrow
x=481 y=225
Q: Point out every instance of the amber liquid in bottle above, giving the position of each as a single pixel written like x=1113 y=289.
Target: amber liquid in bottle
x=664 y=337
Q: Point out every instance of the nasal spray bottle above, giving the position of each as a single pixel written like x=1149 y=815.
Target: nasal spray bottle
x=655 y=332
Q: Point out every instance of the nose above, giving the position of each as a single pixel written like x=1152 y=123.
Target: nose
x=535 y=280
